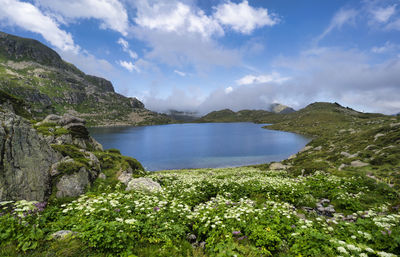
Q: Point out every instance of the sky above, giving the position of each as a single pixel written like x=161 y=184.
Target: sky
x=205 y=55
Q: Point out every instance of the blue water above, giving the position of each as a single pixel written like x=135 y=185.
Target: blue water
x=204 y=145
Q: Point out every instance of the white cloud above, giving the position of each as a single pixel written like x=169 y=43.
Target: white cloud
x=228 y=90
x=126 y=49
x=383 y=14
x=176 y=17
x=128 y=65
x=243 y=18
x=29 y=17
x=111 y=12
x=387 y=47
x=342 y=17
x=180 y=73
x=274 y=77
x=395 y=25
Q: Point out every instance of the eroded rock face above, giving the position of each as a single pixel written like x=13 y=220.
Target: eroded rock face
x=25 y=160
x=73 y=184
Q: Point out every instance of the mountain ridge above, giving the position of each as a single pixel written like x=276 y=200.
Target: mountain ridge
x=31 y=71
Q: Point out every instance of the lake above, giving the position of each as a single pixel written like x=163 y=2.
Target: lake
x=200 y=145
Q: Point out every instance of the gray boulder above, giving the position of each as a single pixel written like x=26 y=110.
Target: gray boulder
x=25 y=160
x=143 y=184
x=358 y=163
x=61 y=234
x=277 y=166
x=73 y=184
x=125 y=177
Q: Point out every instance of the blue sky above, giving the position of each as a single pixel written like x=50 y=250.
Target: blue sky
x=207 y=55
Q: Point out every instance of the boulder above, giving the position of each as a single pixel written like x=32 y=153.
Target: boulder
x=25 y=160
x=143 y=184
x=277 y=166
x=61 y=234
x=358 y=163
x=125 y=177
x=71 y=185
x=69 y=119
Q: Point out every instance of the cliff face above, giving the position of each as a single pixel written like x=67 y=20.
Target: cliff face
x=37 y=74
x=25 y=159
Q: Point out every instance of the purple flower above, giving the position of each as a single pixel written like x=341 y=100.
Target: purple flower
x=236 y=232
x=242 y=237
x=156 y=208
x=383 y=232
x=117 y=210
x=293 y=226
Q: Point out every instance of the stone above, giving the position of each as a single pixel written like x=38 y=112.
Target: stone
x=61 y=234
x=71 y=185
x=306 y=148
x=102 y=176
x=143 y=184
x=342 y=166
x=125 y=177
x=358 y=163
x=69 y=119
x=54 y=167
x=319 y=148
x=25 y=160
x=191 y=237
x=277 y=166
x=378 y=136
x=395 y=125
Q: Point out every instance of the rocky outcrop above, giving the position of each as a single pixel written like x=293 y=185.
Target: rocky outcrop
x=25 y=160
x=73 y=184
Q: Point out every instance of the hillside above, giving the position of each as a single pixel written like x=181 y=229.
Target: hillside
x=35 y=73
x=227 y=115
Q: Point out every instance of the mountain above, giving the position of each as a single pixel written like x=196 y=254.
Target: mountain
x=228 y=115
x=280 y=108
x=35 y=73
x=308 y=120
x=182 y=116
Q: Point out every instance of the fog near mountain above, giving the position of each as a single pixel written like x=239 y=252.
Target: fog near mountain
x=319 y=74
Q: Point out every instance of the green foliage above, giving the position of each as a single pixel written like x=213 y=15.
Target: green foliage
x=51 y=129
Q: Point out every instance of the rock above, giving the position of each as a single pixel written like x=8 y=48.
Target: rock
x=395 y=125
x=309 y=147
x=191 y=237
x=378 y=136
x=277 y=166
x=54 y=167
x=61 y=234
x=52 y=118
x=324 y=201
x=25 y=160
x=143 y=184
x=292 y=156
x=342 y=166
x=71 y=185
x=69 y=119
x=102 y=176
x=347 y=155
x=358 y=163
x=125 y=177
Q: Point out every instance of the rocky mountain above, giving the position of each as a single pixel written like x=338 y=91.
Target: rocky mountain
x=52 y=159
x=35 y=73
x=280 y=108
